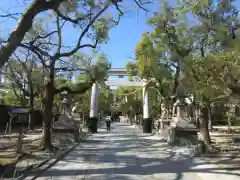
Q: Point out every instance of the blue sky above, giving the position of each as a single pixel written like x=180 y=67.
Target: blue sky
x=123 y=38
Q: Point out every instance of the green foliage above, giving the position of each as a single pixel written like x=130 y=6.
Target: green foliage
x=133 y=105
x=205 y=50
x=101 y=28
x=99 y=71
x=83 y=102
x=11 y=99
x=105 y=100
x=213 y=74
x=145 y=56
x=62 y=82
x=132 y=69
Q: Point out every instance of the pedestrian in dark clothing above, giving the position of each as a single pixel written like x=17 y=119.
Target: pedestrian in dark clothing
x=108 y=124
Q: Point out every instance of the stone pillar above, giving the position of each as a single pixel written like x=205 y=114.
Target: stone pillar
x=179 y=119
x=147 y=120
x=171 y=135
x=93 y=118
x=181 y=111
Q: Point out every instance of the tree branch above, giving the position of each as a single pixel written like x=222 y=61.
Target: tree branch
x=38 y=52
x=59 y=32
x=78 y=46
x=10 y=15
x=140 y=4
x=42 y=37
x=83 y=88
x=74 y=21
x=17 y=82
x=24 y=26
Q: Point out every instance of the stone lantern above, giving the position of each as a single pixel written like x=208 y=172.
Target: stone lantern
x=66 y=103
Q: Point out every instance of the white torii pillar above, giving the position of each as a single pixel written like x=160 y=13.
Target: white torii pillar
x=147 y=120
x=93 y=116
x=114 y=98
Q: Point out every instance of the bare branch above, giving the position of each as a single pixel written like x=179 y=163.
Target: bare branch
x=59 y=30
x=16 y=80
x=78 y=46
x=10 y=15
x=34 y=50
x=89 y=45
x=15 y=93
x=42 y=37
x=74 y=21
x=132 y=58
x=24 y=26
x=140 y=4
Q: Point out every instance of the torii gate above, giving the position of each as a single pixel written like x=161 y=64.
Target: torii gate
x=120 y=72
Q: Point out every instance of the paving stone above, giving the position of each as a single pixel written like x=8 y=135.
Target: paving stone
x=125 y=153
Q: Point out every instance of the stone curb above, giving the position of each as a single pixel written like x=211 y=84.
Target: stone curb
x=49 y=162
x=223 y=155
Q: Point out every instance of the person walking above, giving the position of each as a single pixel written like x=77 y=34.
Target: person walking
x=108 y=124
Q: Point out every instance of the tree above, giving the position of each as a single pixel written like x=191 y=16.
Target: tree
x=129 y=101
x=66 y=9
x=51 y=56
x=194 y=45
x=26 y=76
x=151 y=63
x=132 y=70
x=86 y=16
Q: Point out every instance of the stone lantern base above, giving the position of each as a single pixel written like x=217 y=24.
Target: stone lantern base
x=92 y=124
x=147 y=125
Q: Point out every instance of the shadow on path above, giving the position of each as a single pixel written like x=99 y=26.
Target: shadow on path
x=125 y=153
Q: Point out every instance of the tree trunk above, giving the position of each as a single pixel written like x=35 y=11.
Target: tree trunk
x=210 y=119
x=176 y=79
x=176 y=83
x=31 y=112
x=229 y=124
x=6 y=127
x=204 y=128
x=47 y=115
x=24 y=26
x=197 y=112
x=10 y=125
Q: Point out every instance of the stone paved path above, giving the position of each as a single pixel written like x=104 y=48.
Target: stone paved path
x=125 y=153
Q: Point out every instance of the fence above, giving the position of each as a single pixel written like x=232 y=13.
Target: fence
x=5 y=116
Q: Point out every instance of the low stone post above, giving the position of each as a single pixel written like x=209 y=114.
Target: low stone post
x=171 y=135
x=20 y=140
x=76 y=135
